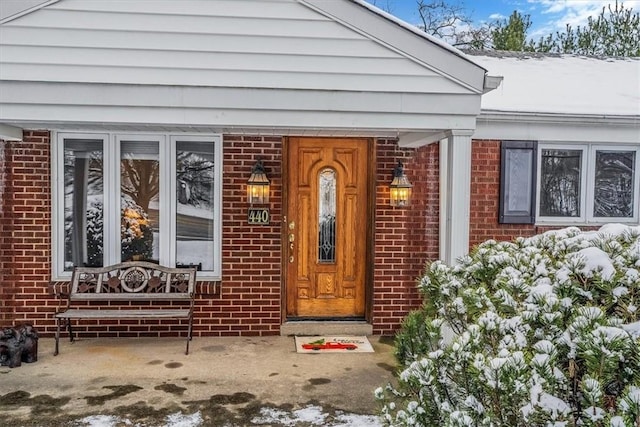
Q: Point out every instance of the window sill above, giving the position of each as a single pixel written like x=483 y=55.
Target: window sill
x=584 y=224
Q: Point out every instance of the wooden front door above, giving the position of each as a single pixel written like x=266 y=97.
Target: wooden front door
x=326 y=230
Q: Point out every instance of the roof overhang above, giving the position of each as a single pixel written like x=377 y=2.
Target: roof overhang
x=530 y=126
x=10 y=133
x=415 y=119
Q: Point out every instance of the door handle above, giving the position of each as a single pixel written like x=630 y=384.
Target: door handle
x=292 y=238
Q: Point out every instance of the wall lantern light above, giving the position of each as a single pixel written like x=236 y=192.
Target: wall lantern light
x=258 y=185
x=400 y=188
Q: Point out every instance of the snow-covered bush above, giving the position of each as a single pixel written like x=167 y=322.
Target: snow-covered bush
x=542 y=331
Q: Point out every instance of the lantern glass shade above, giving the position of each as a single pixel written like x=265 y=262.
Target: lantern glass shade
x=400 y=188
x=258 y=186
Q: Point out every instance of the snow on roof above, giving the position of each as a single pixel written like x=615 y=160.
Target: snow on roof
x=561 y=84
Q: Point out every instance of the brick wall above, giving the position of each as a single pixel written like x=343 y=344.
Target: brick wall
x=249 y=302
x=485 y=197
x=251 y=260
x=6 y=224
x=405 y=238
x=250 y=299
x=251 y=294
x=25 y=240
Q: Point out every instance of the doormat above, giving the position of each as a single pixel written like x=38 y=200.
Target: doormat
x=326 y=345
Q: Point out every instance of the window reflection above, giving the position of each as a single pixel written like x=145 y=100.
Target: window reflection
x=195 y=207
x=614 y=184
x=139 y=200
x=560 y=179
x=83 y=203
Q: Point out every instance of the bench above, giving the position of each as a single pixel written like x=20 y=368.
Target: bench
x=113 y=292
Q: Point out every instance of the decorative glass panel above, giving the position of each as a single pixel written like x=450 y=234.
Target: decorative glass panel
x=614 y=179
x=195 y=207
x=83 y=203
x=139 y=200
x=560 y=175
x=327 y=216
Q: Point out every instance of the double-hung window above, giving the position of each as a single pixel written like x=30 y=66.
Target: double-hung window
x=580 y=183
x=152 y=197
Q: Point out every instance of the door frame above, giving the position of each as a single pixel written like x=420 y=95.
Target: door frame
x=370 y=214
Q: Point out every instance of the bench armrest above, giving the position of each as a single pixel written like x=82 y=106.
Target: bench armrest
x=60 y=289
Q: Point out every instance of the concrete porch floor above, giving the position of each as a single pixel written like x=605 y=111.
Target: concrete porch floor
x=228 y=381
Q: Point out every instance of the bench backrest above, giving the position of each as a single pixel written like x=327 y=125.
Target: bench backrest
x=134 y=280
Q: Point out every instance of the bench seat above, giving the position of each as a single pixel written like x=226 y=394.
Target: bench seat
x=108 y=293
x=124 y=314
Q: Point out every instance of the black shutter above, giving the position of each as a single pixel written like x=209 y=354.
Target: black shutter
x=518 y=168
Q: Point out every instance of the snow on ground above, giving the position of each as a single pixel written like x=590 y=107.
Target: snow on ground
x=311 y=415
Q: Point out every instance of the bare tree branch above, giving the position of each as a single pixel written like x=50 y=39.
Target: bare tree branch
x=441 y=18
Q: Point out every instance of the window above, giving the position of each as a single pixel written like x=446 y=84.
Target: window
x=588 y=183
x=576 y=183
x=137 y=197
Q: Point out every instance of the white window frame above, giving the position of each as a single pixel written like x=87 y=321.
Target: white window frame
x=587 y=183
x=168 y=201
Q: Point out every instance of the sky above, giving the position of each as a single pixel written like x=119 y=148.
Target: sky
x=547 y=16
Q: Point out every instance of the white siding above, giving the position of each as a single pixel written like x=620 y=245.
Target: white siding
x=281 y=66
x=249 y=43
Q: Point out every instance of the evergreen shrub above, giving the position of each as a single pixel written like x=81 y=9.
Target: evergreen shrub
x=541 y=331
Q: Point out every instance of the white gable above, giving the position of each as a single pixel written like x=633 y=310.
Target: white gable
x=229 y=64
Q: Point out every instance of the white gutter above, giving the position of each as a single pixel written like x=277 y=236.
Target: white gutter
x=551 y=117
x=491 y=83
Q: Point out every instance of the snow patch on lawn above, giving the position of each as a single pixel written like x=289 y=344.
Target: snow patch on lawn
x=173 y=420
x=311 y=415
x=314 y=415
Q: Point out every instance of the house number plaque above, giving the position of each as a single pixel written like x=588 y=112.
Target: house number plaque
x=259 y=216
